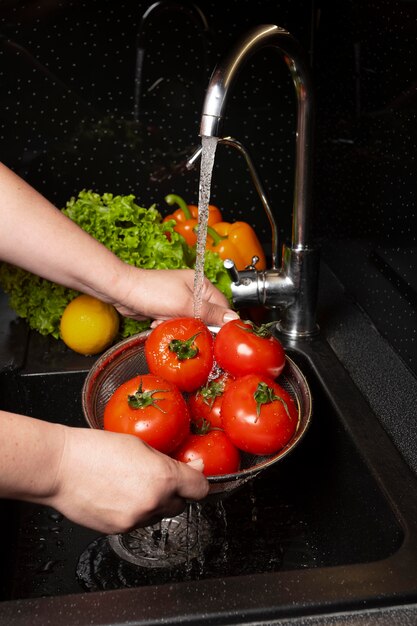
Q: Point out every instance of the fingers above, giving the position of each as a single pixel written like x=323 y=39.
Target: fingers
x=144 y=301
x=175 y=507
x=115 y=482
x=196 y=464
x=215 y=315
x=215 y=309
x=156 y=323
x=192 y=484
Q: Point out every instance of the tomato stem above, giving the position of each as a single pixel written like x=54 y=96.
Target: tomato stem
x=184 y=348
x=200 y=427
x=265 y=395
x=264 y=330
x=142 y=399
x=211 y=391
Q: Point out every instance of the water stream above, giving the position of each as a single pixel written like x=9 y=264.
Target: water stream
x=208 y=145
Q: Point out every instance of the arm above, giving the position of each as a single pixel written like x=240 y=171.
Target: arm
x=38 y=237
x=102 y=480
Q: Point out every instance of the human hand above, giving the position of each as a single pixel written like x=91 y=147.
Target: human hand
x=114 y=482
x=163 y=294
x=46 y=242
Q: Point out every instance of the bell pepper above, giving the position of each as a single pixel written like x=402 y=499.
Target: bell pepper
x=237 y=241
x=214 y=214
x=186 y=217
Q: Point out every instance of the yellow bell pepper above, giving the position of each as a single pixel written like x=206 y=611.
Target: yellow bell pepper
x=237 y=241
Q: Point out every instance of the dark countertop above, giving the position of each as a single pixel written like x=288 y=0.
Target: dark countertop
x=383 y=376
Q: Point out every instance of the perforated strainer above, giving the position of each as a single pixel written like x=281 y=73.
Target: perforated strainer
x=127 y=359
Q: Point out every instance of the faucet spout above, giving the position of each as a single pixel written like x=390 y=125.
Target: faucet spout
x=292 y=287
x=218 y=91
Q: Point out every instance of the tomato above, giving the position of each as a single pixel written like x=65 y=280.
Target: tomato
x=258 y=415
x=241 y=347
x=214 y=447
x=205 y=403
x=150 y=408
x=181 y=351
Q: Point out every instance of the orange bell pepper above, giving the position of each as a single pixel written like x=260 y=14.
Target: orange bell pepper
x=186 y=217
x=214 y=215
x=237 y=241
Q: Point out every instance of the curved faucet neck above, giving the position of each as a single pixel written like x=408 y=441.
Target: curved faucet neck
x=297 y=62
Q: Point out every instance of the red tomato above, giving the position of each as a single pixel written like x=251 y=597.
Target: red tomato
x=241 y=347
x=214 y=447
x=258 y=415
x=206 y=402
x=150 y=408
x=181 y=351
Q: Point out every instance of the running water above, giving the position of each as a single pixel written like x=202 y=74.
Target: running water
x=208 y=145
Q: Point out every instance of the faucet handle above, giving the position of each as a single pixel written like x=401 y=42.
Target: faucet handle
x=230 y=266
x=233 y=272
x=252 y=266
x=245 y=284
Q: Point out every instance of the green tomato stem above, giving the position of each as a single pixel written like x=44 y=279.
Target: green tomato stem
x=266 y=395
x=142 y=399
x=184 y=349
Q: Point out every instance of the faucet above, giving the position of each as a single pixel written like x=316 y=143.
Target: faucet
x=234 y=143
x=292 y=288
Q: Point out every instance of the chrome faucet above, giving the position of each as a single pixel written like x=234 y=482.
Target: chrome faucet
x=292 y=288
x=234 y=143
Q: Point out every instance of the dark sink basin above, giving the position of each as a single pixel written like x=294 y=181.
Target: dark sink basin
x=332 y=526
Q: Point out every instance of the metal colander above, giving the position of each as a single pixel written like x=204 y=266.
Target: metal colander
x=127 y=359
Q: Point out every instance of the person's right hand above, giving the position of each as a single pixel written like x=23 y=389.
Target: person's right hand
x=140 y=296
x=114 y=482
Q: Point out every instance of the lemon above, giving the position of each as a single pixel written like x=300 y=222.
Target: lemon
x=88 y=326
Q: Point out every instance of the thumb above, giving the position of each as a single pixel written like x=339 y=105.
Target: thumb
x=192 y=484
x=217 y=315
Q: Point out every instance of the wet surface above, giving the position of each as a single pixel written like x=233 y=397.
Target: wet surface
x=318 y=507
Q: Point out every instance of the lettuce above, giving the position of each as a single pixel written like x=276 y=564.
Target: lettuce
x=135 y=234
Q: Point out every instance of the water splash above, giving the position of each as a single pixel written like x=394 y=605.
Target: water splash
x=208 y=145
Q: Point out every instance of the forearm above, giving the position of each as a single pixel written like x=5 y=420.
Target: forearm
x=106 y=481
x=30 y=454
x=38 y=237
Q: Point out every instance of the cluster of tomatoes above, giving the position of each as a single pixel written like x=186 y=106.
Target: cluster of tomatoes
x=207 y=396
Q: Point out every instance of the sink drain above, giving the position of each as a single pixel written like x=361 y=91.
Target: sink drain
x=171 y=542
x=174 y=549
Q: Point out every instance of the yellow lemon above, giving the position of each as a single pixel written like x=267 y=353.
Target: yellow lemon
x=88 y=326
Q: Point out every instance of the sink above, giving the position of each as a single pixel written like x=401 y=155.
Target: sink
x=332 y=526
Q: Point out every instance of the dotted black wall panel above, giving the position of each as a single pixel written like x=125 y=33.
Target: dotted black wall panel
x=366 y=82
x=108 y=96
x=366 y=164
